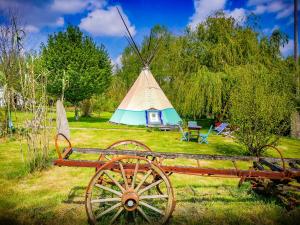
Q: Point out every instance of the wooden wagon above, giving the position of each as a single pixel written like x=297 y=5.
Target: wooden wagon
x=131 y=183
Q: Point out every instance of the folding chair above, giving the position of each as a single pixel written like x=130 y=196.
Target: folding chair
x=204 y=137
x=221 y=128
x=184 y=134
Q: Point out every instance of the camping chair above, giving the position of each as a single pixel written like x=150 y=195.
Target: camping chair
x=184 y=134
x=221 y=128
x=204 y=137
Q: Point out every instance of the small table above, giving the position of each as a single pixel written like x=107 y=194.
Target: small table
x=192 y=129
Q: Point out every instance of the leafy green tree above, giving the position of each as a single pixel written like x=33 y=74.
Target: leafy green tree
x=261 y=107
x=77 y=67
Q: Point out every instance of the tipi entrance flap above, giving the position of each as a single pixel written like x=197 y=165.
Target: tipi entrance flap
x=154 y=117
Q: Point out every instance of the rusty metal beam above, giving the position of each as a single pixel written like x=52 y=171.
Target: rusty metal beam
x=187 y=170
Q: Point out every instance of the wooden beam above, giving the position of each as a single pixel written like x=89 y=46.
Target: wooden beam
x=272 y=166
x=168 y=155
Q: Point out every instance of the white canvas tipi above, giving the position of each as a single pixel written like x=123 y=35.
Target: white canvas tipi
x=145 y=104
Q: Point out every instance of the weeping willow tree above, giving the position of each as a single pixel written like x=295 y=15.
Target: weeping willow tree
x=205 y=94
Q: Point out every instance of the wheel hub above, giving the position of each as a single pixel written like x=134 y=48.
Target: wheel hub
x=130 y=200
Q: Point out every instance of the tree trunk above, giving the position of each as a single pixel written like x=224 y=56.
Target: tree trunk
x=296 y=31
x=295 y=125
x=86 y=107
x=76 y=112
x=296 y=48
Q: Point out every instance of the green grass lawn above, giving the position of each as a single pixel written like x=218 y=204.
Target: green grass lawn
x=55 y=195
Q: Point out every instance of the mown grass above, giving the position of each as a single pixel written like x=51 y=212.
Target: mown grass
x=55 y=195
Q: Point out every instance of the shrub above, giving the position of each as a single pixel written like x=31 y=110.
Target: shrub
x=261 y=107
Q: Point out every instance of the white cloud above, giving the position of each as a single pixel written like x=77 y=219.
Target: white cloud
x=270 y=7
x=34 y=40
x=203 y=9
x=260 y=9
x=106 y=22
x=117 y=62
x=60 y=21
x=286 y=12
x=75 y=6
x=257 y=2
x=239 y=14
x=280 y=7
x=68 y=6
x=268 y=31
x=275 y=6
x=287 y=49
x=31 y=29
x=31 y=12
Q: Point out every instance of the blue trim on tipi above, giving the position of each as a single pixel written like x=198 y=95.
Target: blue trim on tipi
x=169 y=117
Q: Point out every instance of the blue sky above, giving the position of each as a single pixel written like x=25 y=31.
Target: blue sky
x=99 y=18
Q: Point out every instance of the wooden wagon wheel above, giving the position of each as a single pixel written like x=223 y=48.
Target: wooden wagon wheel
x=125 y=145
x=280 y=155
x=120 y=202
x=63 y=146
x=129 y=145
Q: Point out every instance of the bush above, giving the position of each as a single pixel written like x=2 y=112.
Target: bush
x=261 y=107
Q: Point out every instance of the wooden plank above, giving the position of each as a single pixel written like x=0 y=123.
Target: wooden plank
x=168 y=155
x=258 y=166
x=293 y=165
x=272 y=166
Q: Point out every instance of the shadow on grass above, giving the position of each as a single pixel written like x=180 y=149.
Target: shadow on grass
x=178 y=186
x=229 y=149
x=206 y=198
x=76 y=195
x=8 y=220
x=89 y=119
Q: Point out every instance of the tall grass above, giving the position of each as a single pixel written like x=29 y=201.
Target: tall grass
x=35 y=127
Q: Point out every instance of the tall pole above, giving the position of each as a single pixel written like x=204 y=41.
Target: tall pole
x=296 y=31
x=296 y=48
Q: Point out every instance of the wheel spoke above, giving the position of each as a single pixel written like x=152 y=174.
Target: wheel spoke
x=143 y=180
x=153 y=196
x=150 y=186
x=144 y=214
x=124 y=175
x=105 y=200
x=116 y=215
x=135 y=173
x=151 y=207
x=115 y=181
x=109 y=189
x=108 y=210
